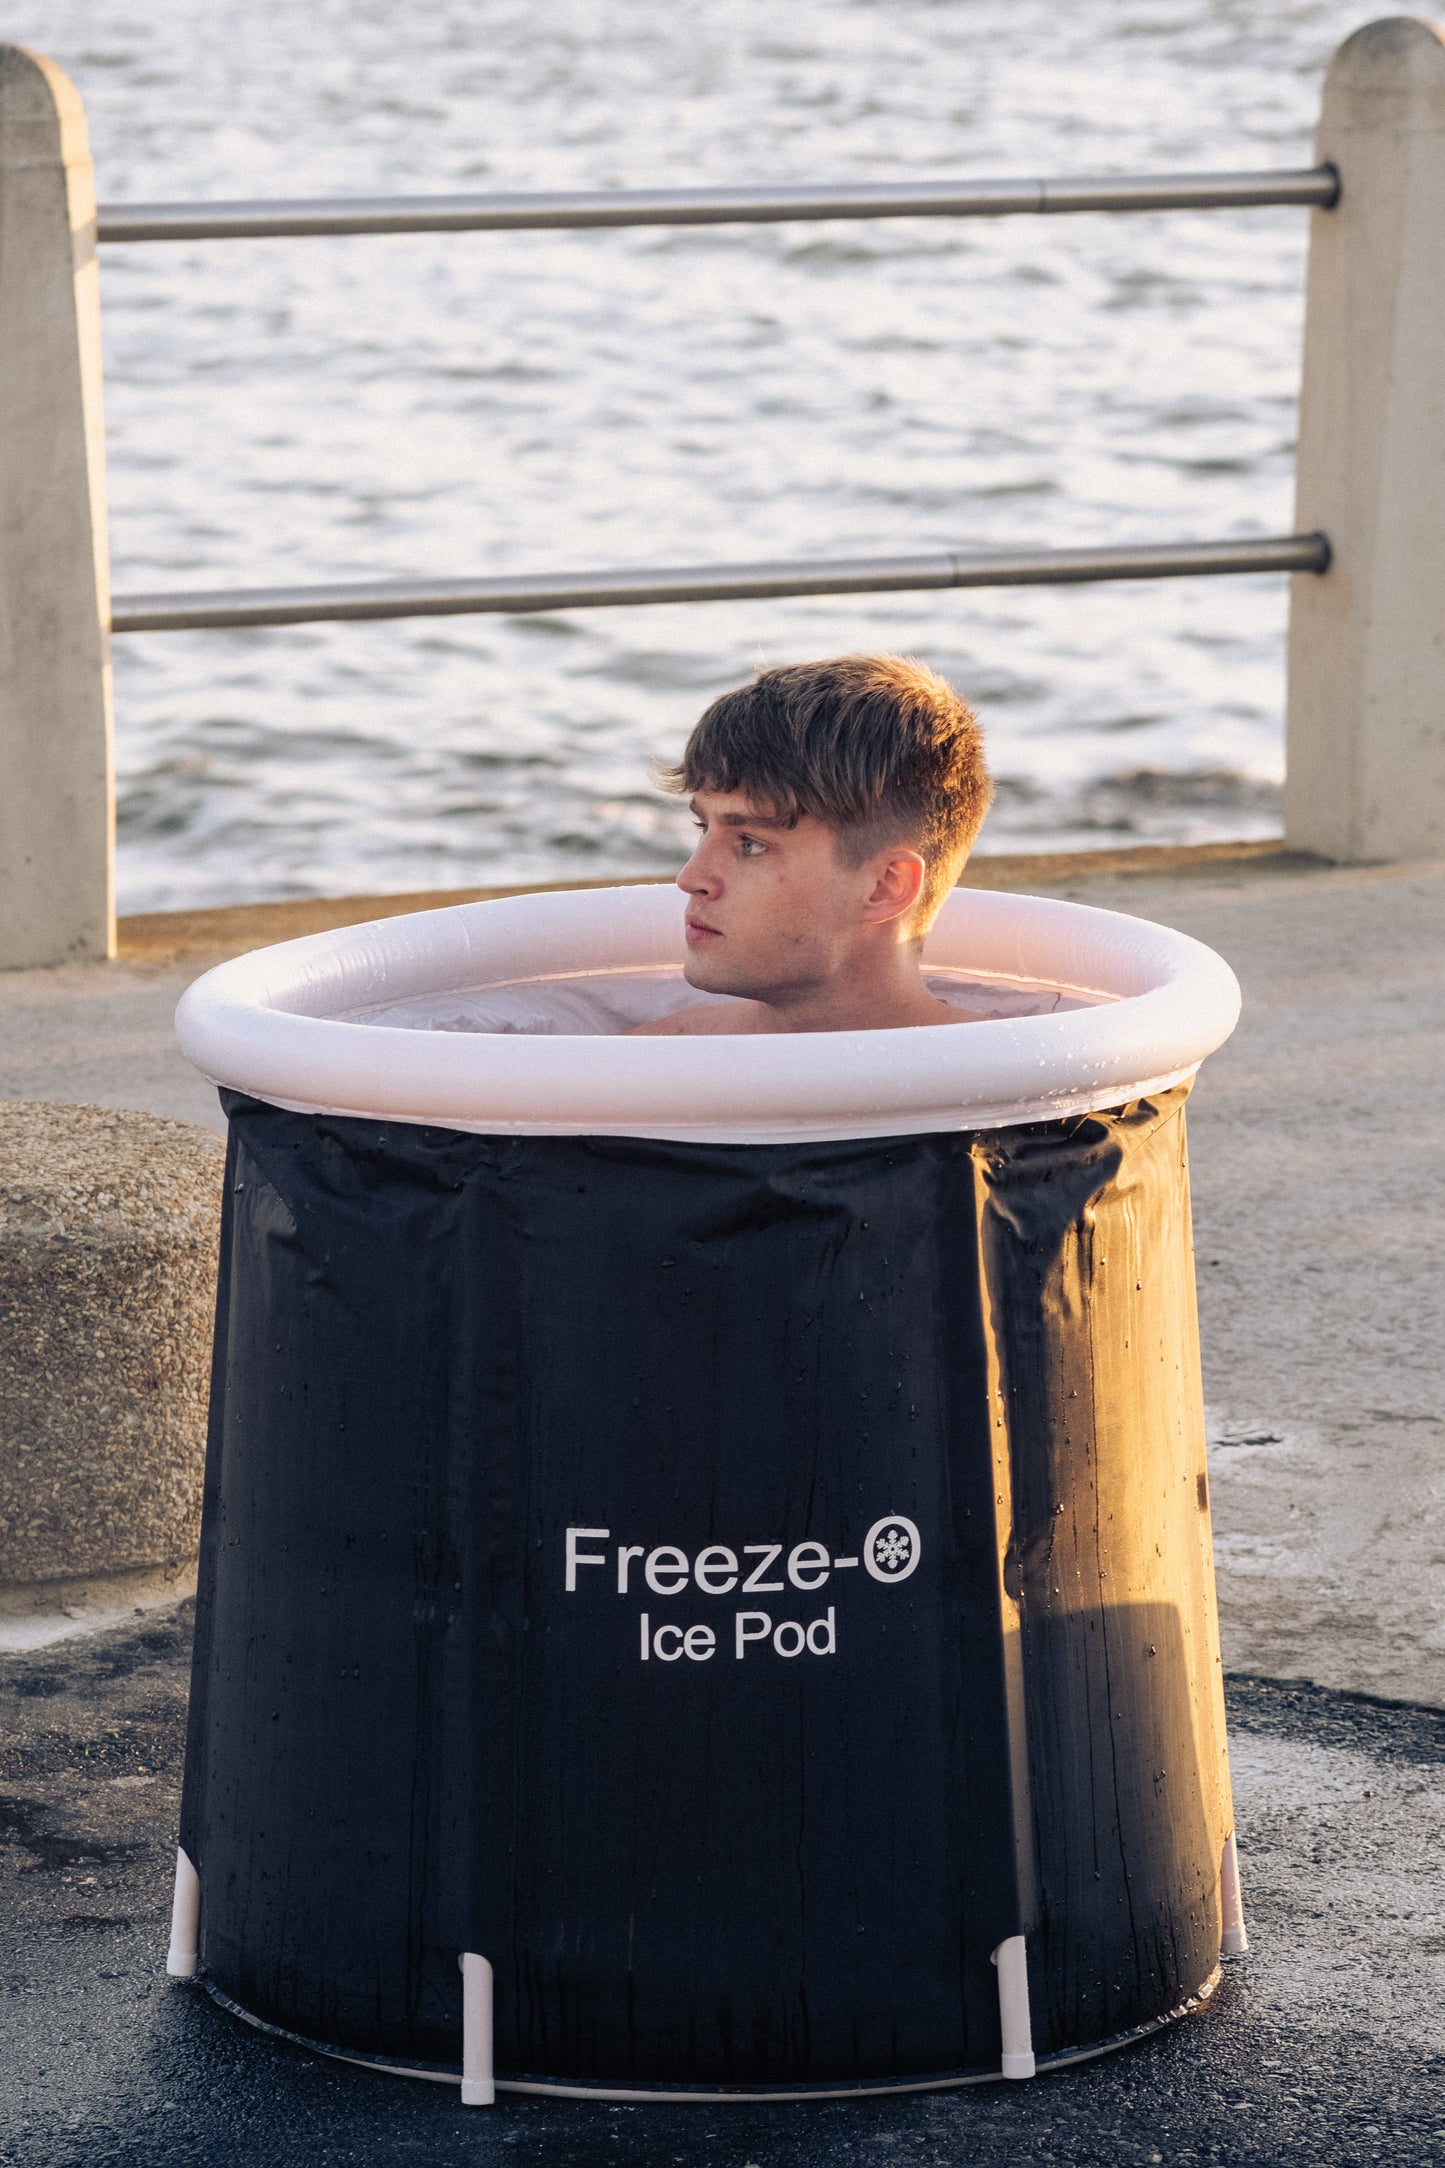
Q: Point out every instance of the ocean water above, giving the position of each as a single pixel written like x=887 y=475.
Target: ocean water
x=303 y=410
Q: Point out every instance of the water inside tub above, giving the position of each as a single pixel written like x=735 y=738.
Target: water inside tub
x=601 y=1004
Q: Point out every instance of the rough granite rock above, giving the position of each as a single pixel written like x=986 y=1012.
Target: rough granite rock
x=109 y=1228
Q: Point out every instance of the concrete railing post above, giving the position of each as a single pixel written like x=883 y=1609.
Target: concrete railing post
x=1366 y=713
x=56 y=775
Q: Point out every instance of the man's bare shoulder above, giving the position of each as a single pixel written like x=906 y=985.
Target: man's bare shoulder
x=704 y=1020
x=739 y=1019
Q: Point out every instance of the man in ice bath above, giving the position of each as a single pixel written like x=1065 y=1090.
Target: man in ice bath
x=836 y=803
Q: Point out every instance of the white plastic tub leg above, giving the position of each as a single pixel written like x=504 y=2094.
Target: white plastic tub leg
x=183 y=1954
x=478 y=2085
x=1013 y=2008
x=1233 y=1940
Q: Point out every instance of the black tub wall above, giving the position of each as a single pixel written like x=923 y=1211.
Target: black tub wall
x=1090 y=1271
x=436 y=1350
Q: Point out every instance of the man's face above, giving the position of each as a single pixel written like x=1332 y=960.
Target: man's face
x=770 y=909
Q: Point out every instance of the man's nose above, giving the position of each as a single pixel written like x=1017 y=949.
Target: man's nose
x=696 y=878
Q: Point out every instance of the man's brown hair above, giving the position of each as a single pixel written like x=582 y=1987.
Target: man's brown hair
x=879 y=747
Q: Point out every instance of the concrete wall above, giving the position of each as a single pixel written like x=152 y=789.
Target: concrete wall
x=1365 y=774
x=56 y=783
x=109 y=1232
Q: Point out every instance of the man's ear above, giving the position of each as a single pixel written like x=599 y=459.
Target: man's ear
x=897 y=886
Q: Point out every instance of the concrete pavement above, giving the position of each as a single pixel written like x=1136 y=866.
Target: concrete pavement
x=1324 y=2047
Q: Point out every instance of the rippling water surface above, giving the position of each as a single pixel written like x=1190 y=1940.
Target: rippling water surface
x=303 y=410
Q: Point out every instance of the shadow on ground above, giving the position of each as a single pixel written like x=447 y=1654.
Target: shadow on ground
x=1326 y=2045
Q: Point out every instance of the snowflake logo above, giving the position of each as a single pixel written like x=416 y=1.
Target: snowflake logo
x=892 y=1548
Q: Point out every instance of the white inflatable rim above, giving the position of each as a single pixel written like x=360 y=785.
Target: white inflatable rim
x=271 y=1024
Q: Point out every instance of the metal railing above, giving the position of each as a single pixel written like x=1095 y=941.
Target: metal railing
x=1318 y=186
x=516 y=597
x=1312 y=185
x=1365 y=758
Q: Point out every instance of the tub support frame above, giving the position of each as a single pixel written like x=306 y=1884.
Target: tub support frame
x=183 y=1955
x=479 y=2085
x=1233 y=1940
x=1015 y=2024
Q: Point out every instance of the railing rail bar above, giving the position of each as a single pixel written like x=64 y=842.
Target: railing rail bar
x=520 y=594
x=502 y=213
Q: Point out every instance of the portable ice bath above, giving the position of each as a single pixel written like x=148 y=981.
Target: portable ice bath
x=706 y=1579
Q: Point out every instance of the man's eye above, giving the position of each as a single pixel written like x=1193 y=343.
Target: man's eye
x=750 y=846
